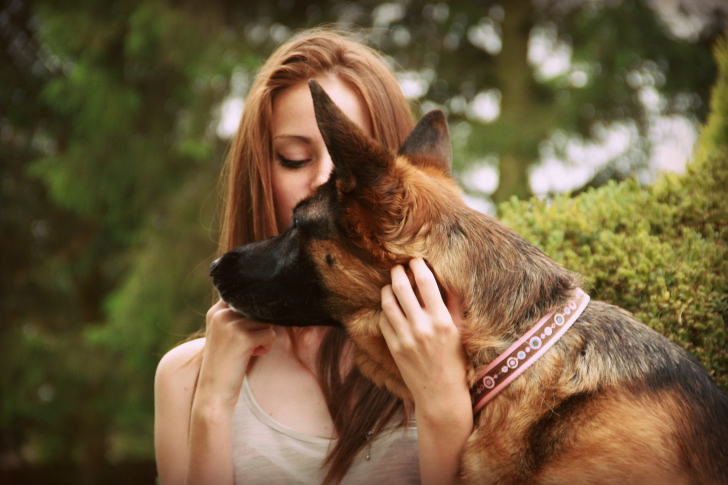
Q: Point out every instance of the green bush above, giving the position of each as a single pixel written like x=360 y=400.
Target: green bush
x=660 y=251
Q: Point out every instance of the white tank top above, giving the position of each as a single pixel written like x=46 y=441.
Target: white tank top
x=266 y=452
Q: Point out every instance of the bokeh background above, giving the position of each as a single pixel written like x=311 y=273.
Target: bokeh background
x=115 y=116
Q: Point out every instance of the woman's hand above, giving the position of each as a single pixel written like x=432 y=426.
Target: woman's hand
x=424 y=338
x=230 y=341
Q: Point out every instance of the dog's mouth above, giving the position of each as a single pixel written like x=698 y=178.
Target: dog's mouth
x=240 y=312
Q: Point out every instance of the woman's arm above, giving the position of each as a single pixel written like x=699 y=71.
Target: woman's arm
x=425 y=342
x=174 y=386
x=195 y=398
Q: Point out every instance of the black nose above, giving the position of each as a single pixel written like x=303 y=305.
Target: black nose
x=214 y=266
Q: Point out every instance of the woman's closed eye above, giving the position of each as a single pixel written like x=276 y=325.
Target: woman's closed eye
x=291 y=163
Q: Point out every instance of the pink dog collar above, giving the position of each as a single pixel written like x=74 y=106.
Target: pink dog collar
x=527 y=350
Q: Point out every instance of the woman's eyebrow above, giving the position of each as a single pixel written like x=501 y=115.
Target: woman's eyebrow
x=301 y=138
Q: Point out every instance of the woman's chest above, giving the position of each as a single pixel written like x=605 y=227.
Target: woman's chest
x=290 y=394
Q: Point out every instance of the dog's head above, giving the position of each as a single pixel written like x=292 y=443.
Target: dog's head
x=378 y=209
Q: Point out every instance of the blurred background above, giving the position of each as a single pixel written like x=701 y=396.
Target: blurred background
x=115 y=116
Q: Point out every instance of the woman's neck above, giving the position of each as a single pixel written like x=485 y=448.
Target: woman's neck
x=286 y=385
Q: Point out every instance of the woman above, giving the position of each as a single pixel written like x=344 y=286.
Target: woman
x=253 y=403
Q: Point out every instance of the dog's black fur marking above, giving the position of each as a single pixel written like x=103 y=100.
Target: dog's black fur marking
x=551 y=435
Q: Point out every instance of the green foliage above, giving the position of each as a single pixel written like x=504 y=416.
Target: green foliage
x=660 y=252
x=161 y=301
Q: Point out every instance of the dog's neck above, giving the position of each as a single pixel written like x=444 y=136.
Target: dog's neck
x=526 y=350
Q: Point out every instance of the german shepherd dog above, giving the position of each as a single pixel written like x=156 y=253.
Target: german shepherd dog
x=610 y=402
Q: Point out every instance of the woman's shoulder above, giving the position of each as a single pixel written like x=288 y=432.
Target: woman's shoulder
x=183 y=352
x=181 y=365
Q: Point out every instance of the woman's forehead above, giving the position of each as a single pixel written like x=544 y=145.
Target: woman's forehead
x=293 y=113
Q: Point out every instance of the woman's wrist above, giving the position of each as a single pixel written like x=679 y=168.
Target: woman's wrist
x=448 y=408
x=218 y=386
x=212 y=409
x=452 y=414
x=443 y=395
x=211 y=402
x=443 y=429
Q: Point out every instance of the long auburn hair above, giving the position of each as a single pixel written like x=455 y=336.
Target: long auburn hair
x=249 y=213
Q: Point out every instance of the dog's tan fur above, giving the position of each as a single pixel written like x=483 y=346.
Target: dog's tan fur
x=612 y=402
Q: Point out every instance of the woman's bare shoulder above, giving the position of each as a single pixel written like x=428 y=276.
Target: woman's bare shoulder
x=181 y=365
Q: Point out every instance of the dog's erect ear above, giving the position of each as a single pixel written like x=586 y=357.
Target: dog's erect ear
x=428 y=145
x=358 y=159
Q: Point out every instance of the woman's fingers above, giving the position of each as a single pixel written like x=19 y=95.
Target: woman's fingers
x=396 y=321
x=224 y=325
x=262 y=338
x=427 y=286
x=388 y=332
x=214 y=309
x=454 y=307
x=405 y=293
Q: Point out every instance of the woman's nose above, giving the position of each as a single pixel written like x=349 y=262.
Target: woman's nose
x=323 y=172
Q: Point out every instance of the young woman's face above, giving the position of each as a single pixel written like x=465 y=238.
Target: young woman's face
x=301 y=161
